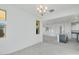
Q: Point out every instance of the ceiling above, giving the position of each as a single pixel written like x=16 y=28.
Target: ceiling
x=60 y=10
x=62 y=13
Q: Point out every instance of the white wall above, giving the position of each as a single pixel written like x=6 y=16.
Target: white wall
x=20 y=31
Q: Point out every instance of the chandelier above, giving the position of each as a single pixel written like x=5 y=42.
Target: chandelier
x=42 y=9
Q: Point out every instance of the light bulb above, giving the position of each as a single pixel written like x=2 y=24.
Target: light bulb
x=38 y=9
x=41 y=6
x=46 y=7
x=44 y=10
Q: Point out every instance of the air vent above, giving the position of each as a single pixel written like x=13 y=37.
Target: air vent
x=52 y=10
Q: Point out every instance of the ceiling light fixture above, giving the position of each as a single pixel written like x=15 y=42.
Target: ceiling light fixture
x=42 y=9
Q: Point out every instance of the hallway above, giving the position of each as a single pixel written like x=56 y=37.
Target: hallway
x=50 y=47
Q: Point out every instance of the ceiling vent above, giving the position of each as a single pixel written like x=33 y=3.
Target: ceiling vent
x=52 y=10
